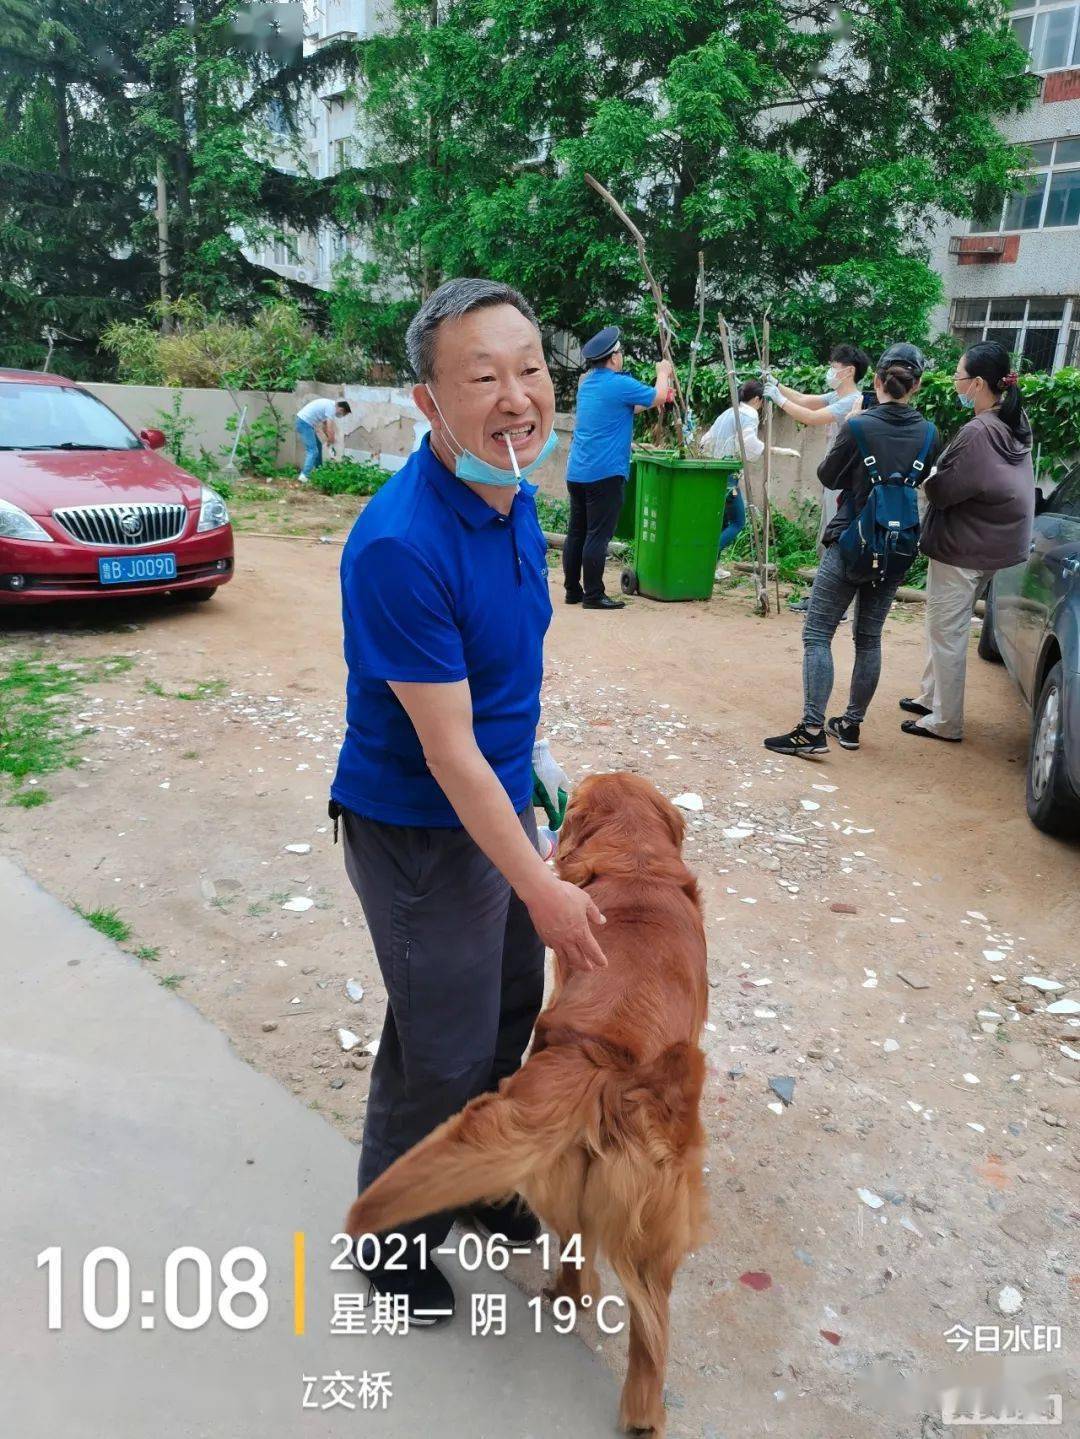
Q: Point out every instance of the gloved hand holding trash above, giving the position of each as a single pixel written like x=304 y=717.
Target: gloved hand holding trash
x=551 y=790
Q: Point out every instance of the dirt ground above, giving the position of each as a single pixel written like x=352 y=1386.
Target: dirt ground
x=927 y=1073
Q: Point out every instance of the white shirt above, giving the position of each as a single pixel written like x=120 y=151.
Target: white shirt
x=839 y=406
x=721 y=441
x=317 y=412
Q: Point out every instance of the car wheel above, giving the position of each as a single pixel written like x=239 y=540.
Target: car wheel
x=1051 y=804
x=988 y=646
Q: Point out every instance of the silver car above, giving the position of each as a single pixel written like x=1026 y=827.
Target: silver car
x=1032 y=623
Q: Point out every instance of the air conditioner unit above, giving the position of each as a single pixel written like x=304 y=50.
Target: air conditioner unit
x=303 y=275
x=976 y=244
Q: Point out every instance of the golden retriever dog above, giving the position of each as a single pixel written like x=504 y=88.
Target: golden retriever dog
x=599 y=1131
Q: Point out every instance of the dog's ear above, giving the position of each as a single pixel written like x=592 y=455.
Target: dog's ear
x=571 y=862
x=673 y=819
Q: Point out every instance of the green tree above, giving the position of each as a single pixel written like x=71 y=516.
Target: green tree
x=802 y=147
x=94 y=97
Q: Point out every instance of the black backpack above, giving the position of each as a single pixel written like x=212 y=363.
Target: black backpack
x=880 y=544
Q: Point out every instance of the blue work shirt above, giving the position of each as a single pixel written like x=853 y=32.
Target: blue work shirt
x=604 y=425
x=436 y=586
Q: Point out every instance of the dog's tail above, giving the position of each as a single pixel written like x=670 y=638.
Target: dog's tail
x=488 y=1150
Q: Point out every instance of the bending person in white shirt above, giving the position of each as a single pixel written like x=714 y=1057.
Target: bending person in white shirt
x=314 y=424
x=721 y=441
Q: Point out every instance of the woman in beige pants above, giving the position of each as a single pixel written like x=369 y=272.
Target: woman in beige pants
x=981 y=504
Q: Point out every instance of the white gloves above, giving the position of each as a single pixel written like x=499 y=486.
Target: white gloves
x=549 y=772
x=772 y=390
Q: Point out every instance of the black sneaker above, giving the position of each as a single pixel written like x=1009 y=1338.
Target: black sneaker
x=514 y=1221
x=430 y=1296
x=844 y=730
x=801 y=741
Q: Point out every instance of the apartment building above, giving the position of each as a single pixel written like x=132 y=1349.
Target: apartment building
x=1014 y=276
x=330 y=141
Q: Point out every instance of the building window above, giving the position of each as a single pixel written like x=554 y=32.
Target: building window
x=1043 y=333
x=339 y=156
x=1049 y=31
x=1049 y=193
x=276 y=120
x=285 y=249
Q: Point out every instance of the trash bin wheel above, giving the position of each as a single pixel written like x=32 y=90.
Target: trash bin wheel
x=628 y=581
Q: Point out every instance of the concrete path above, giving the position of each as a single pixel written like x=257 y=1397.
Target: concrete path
x=126 y=1120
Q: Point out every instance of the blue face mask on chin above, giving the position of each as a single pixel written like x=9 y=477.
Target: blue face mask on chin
x=475 y=471
x=967 y=401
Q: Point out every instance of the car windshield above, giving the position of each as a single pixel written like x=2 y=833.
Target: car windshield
x=57 y=417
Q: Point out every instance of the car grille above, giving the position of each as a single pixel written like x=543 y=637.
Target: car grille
x=129 y=526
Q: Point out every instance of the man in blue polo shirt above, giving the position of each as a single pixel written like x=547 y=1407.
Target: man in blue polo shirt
x=599 y=462
x=445 y=606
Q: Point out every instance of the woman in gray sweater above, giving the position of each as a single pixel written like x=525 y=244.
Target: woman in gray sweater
x=981 y=504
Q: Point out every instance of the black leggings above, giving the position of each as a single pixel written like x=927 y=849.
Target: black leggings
x=594 y=513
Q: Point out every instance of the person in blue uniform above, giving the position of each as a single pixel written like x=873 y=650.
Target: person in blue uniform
x=599 y=463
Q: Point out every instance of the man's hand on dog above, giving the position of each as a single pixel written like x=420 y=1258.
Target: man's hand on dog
x=562 y=914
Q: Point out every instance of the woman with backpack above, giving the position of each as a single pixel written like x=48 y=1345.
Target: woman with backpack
x=981 y=505
x=876 y=462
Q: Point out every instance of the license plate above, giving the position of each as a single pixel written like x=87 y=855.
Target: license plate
x=136 y=569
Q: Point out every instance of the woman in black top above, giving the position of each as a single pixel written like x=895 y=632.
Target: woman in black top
x=894 y=432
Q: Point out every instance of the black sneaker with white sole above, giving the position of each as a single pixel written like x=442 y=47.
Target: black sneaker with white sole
x=801 y=741
x=514 y=1221
x=430 y=1297
x=845 y=731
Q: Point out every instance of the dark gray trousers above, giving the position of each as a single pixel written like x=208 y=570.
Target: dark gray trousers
x=464 y=972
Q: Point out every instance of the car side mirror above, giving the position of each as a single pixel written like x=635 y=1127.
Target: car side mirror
x=153 y=439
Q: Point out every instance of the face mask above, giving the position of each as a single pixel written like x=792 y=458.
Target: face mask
x=473 y=470
x=832 y=379
x=967 y=401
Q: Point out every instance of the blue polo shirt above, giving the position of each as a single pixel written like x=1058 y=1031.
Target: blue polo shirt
x=436 y=586
x=604 y=425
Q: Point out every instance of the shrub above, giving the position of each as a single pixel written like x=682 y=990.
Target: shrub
x=554 y=515
x=260 y=440
x=348 y=477
x=207 y=351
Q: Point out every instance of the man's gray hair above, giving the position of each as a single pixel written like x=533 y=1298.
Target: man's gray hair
x=450 y=302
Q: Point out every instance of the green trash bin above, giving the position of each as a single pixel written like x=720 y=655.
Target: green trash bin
x=679 y=516
x=627 y=521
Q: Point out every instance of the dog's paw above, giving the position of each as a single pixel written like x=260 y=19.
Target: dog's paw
x=635 y=1420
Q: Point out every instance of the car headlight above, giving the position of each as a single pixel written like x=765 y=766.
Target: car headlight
x=16 y=524
x=214 y=512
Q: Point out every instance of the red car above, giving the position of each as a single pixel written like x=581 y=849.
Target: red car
x=88 y=510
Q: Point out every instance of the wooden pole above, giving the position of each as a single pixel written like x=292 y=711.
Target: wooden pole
x=760 y=574
x=765 y=335
x=663 y=319
x=162 y=208
x=696 y=344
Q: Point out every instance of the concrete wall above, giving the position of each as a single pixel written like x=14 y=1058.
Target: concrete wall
x=385 y=426
x=145 y=406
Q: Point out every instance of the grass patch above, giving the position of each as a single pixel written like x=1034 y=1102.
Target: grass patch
x=171 y=981
x=106 y=922
x=36 y=699
x=190 y=754
x=147 y=952
x=203 y=690
x=257 y=908
x=30 y=798
x=256 y=494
